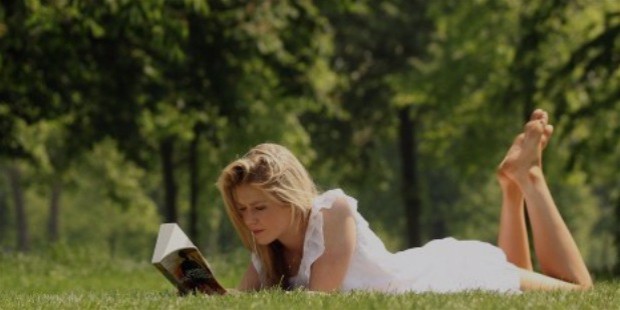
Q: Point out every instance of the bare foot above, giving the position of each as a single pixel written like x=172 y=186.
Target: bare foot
x=525 y=154
x=542 y=115
x=505 y=167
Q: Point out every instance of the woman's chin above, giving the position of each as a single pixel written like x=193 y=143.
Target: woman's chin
x=263 y=241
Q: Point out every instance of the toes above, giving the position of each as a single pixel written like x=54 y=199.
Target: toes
x=537 y=114
x=548 y=130
x=540 y=115
x=534 y=131
x=542 y=129
x=534 y=126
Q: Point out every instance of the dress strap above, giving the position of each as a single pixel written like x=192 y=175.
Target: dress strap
x=326 y=200
x=258 y=265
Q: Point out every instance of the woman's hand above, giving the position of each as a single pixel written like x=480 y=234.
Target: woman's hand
x=250 y=281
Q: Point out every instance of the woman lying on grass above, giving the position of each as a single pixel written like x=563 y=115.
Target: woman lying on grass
x=299 y=238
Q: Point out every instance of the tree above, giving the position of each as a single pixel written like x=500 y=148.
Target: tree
x=416 y=69
x=564 y=61
x=23 y=231
x=169 y=73
x=31 y=87
x=4 y=211
x=584 y=87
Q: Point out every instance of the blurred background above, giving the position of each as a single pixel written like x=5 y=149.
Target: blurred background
x=118 y=115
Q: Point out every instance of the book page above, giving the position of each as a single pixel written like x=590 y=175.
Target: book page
x=171 y=238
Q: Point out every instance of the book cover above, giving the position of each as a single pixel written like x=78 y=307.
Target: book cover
x=180 y=261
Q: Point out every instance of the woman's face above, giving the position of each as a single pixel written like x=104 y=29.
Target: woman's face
x=267 y=218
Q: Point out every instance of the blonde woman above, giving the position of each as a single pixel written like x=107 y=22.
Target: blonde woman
x=302 y=239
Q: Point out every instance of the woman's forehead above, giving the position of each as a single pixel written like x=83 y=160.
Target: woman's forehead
x=247 y=194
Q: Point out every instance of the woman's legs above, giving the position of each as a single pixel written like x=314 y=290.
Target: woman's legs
x=513 y=238
x=555 y=248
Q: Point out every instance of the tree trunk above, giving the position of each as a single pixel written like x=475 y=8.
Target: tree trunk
x=23 y=234
x=439 y=227
x=526 y=62
x=4 y=213
x=54 y=216
x=617 y=236
x=410 y=185
x=170 y=187
x=193 y=185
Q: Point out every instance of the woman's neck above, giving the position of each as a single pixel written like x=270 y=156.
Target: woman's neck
x=293 y=241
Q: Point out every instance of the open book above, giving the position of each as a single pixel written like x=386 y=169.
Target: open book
x=181 y=262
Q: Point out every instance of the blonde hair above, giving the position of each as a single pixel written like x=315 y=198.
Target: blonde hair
x=276 y=171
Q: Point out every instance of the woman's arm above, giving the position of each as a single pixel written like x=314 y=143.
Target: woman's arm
x=250 y=280
x=329 y=270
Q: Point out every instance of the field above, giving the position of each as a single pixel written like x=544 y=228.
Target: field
x=80 y=280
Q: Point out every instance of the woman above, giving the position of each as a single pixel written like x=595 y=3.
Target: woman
x=299 y=238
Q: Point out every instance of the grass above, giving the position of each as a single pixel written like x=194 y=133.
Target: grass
x=84 y=281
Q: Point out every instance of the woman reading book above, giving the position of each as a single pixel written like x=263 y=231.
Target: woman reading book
x=302 y=239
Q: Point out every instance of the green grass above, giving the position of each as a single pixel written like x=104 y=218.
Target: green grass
x=83 y=281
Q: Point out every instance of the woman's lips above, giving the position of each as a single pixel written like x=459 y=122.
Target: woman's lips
x=258 y=231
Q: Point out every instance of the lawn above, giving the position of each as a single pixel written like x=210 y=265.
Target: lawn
x=81 y=281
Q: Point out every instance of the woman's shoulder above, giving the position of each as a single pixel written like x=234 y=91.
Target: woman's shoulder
x=339 y=210
x=335 y=200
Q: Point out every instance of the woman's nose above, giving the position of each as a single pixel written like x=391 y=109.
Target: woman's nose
x=249 y=218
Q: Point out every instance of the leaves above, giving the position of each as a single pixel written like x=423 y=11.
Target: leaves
x=106 y=82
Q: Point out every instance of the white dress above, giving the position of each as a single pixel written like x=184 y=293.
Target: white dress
x=445 y=265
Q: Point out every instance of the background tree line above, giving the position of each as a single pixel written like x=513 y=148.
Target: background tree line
x=118 y=115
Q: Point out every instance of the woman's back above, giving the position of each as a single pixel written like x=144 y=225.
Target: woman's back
x=445 y=265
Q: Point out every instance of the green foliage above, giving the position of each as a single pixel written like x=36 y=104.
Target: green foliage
x=89 y=92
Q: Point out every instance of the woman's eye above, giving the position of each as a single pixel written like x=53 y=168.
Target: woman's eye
x=260 y=208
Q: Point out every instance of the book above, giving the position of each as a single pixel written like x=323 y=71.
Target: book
x=180 y=261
